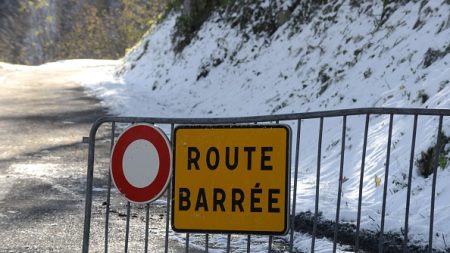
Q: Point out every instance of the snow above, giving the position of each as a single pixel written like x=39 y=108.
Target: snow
x=342 y=59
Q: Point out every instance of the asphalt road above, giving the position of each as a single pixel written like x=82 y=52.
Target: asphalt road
x=44 y=114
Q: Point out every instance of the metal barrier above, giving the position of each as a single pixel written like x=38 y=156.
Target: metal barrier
x=296 y=121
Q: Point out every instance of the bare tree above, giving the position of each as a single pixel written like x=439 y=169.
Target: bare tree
x=11 y=31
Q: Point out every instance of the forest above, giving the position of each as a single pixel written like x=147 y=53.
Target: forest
x=37 y=31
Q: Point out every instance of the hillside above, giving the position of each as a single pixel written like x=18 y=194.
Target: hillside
x=276 y=57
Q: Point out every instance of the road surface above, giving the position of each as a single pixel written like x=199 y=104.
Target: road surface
x=44 y=113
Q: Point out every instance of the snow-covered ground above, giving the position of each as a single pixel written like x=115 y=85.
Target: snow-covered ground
x=342 y=58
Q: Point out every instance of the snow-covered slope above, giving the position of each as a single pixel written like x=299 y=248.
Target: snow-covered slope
x=349 y=54
x=338 y=60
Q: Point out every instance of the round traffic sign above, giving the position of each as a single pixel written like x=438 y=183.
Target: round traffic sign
x=141 y=163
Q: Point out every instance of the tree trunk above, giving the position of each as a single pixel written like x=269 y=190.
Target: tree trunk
x=187 y=7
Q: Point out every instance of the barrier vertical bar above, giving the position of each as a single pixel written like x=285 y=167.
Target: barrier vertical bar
x=127 y=228
x=294 y=197
x=147 y=221
x=437 y=151
x=316 y=208
x=169 y=197
x=206 y=243
x=89 y=184
x=386 y=181
x=228 y=243
x=187 y=242
x=341 y=172
x=271 y=237
x=248 y=243
x=108 y=194
x=361 y=178
x=269 y=248
x=408 y=194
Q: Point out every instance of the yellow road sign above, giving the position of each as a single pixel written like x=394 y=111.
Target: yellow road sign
x=231 y=179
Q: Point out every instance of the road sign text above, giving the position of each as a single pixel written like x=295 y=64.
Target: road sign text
x=231 y=179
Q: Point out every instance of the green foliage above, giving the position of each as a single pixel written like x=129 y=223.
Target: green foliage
x=425 y=164
x=107 y=33
x=87 y=38
x=35 y=4
x=136 y=17
x=78 y=29
x=261 y=20
x=188 y=24
x=172 y=5
x=324 y=79
x=388 y=9
x=11 y=31
x=442 y=161
x=307 y=10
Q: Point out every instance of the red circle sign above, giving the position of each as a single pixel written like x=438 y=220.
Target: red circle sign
x=141 y=163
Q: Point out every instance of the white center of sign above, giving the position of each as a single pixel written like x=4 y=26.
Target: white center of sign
x=140 y=163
